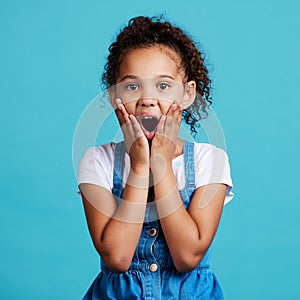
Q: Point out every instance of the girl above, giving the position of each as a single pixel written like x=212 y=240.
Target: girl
x=153 y=202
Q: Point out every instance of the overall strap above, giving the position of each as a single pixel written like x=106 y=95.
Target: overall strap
x=188 y=151
x=190 y=183
x=118 y=165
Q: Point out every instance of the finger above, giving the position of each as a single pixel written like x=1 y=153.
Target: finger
x=136 y=126
x=174 y=113
x=121 y=112
x=128 y=135
x=172 y=109
x=120 y=117
x=171 y=115
x=132 y=132
x=178 y=114
x=171 y=127
x=124 y=112
x=118 y=103
x=161 y=125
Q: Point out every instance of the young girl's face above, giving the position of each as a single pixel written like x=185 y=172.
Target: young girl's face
x=150 y=80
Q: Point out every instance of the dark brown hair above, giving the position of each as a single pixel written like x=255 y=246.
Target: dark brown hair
x=143 y=32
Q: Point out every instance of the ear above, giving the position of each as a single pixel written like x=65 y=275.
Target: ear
x=189 y=94
x=112 y=96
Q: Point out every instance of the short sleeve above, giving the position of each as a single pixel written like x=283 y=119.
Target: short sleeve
x=212 y=166
x=96 y=166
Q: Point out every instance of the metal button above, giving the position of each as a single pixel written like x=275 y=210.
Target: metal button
x=153 y=267
x=152 y=232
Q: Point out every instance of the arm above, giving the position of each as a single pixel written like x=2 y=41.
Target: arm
x=188 y=232
x=115 y=231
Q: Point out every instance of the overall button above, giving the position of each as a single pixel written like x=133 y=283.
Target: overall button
x=152 y=232
x=153 y=267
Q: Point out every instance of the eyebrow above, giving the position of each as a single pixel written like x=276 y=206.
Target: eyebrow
x=135 y=77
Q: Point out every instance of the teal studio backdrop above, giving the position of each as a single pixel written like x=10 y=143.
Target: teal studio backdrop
x=52 y=55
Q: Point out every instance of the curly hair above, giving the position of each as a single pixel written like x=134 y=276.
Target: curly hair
x=144 y=32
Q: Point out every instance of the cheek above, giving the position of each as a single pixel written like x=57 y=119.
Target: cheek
x=130 y=107
x=164 y=106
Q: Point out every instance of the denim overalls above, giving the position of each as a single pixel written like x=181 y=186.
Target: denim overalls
x=152 y=275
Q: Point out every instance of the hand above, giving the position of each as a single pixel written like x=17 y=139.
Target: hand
x=136 y=143
x=165 y=141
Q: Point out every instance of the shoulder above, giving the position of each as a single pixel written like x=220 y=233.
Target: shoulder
x=208 y=156
x=100 y=152
x=212 y=166
x=202 y=148
x=97 y=162
x=204 y=151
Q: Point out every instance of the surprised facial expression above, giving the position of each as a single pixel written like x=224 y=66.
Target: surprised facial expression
x=149 y=81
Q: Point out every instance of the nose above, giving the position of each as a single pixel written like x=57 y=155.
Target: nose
x=147 y=97
x=147 y=102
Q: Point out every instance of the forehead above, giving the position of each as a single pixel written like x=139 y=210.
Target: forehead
x=151 y=62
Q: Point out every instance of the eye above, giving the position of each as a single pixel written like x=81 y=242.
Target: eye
x=164 y=86
x=132 y=87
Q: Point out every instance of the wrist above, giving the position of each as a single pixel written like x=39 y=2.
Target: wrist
x=139 y=169
x=138 y=178
x=160 y=165
x=162 y=176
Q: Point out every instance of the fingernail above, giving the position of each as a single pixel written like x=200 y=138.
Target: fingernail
x=118 y=103
x=131 y=117
x=174 y=106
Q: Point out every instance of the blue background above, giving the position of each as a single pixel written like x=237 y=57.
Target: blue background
x=52 y=54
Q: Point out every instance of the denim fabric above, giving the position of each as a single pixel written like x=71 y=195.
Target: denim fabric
x=142 y=280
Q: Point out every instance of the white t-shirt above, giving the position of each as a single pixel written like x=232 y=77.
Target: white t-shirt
x=211 y=166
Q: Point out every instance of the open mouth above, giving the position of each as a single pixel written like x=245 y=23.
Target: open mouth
x=149 y=122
